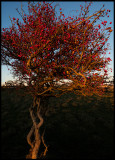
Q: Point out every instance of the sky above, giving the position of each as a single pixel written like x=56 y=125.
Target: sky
x=69 y=8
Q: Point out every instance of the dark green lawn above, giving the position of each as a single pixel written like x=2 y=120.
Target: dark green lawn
x=76 y=127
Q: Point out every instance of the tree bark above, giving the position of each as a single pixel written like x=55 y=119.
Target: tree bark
x=35 y=115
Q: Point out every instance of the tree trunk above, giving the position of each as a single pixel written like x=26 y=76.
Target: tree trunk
x=35 y=115
x=37 y=145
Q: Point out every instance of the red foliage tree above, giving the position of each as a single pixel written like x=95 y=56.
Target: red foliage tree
x=45 y=49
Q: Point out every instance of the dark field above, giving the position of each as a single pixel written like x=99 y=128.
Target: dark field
x=76 y=127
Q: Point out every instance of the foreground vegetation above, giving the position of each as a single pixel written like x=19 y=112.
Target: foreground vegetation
x=76 y=127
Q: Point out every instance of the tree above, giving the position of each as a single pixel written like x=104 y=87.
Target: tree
x=45 y=49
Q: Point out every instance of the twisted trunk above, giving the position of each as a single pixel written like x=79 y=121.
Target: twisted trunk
x=35 y=145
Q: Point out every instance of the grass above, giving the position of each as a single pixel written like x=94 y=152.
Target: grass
x=76 y=127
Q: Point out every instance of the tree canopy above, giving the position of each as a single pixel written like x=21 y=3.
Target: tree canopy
x=45 y=49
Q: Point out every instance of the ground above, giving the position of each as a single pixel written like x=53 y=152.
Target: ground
x=76 y=127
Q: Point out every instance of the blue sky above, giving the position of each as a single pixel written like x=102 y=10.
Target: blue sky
x=8 y=8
